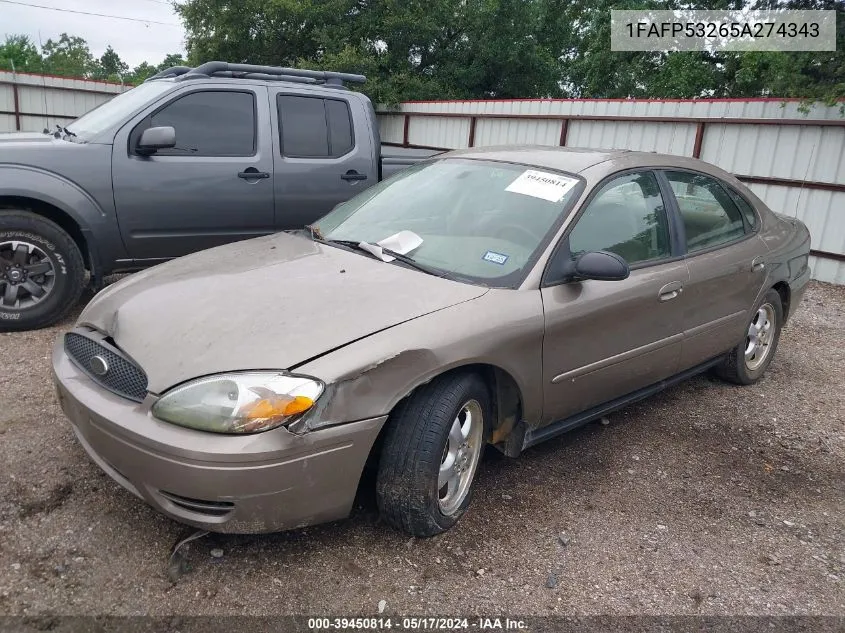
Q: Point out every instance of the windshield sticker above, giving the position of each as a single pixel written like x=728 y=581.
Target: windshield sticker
x=496 y=258
x=542 y=184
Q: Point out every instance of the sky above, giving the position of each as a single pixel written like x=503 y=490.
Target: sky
x=135 y=42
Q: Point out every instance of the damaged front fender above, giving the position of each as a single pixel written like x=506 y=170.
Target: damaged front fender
x=369 y=377
x=374 y=387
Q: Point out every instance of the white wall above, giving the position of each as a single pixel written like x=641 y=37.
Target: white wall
x=44 y=101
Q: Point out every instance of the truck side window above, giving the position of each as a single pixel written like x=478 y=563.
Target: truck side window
x=210 y=123
x=313 y=127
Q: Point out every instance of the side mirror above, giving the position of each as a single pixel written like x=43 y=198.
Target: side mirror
x=155 y=138
x=602 y=266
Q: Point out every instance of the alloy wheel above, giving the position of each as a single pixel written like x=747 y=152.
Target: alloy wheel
x=27 y=275
x=460 y=457
x=760 y=335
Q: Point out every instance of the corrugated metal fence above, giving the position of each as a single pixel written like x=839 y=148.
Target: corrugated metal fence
x=29 y=103
x=793 y=161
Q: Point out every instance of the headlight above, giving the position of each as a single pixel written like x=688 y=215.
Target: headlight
x=245 y=402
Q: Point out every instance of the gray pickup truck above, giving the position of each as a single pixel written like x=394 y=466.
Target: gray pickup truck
x=190 y=159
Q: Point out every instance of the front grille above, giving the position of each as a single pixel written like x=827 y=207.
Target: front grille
x=123 y=377
x=200 y=506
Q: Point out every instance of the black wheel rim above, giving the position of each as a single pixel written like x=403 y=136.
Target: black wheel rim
x=27 y=275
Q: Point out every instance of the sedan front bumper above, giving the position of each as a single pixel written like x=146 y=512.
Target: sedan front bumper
x=265 y=482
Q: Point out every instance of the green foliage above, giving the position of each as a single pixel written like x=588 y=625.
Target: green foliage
x=109 y=67
x=461 y=49
x=69 y=56
x=455 y=49
x=174 y=59
x=409 y=49
x=140 y=73
x=20 y=54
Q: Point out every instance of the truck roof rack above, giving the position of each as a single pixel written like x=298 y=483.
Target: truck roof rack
x=267 y=73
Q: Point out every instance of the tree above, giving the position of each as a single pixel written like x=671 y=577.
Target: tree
x=140 y=73
x=409 y=49
x=20 y=54
x=69 y=56
x=173 y=59
x=109 y=66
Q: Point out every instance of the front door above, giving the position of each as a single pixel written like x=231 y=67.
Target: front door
x=606 y=339
x=726 y=269
x=214 y=187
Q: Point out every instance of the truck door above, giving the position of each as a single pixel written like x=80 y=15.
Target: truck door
x=325 y=154
x=215 y=186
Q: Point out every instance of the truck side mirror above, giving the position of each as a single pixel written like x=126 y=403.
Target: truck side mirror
x=155 y=138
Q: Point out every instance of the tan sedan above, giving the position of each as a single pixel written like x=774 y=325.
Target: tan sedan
x=495 y=296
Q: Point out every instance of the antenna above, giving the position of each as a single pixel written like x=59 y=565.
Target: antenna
x=43 y=82
x=803 y=180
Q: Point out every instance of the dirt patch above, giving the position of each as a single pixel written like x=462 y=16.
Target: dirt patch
x=54 y=499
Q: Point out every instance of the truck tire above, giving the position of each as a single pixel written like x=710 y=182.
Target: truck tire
x=42 y=274
x=432 y=447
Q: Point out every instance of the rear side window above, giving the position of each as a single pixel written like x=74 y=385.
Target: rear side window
x=312 y=127
x=746 y=209
x=209 y=123
x=710 y=217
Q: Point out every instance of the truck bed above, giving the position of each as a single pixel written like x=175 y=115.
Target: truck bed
x=395 y=158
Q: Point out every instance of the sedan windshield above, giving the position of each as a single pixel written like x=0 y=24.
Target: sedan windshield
x=479 y=220
x=118 y=109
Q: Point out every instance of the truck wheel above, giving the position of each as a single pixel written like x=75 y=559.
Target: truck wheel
x=42 y=273
x=748 y=361
x=431 y=451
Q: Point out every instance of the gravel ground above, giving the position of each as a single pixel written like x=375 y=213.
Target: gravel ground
x=706 y=499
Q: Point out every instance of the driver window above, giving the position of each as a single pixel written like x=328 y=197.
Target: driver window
x=628 y=218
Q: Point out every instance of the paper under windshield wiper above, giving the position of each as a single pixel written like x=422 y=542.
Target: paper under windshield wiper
x=410 y=261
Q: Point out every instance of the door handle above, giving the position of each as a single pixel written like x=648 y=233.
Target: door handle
x=352 y=175
x=670 y=291
x=758 y=264
x=251 y=173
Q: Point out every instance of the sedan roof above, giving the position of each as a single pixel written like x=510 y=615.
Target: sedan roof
x=570 y=159
x=576 y=160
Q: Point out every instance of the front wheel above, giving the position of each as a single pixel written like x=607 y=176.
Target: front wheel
x=42 y=273
x=748 y=361
x=431 y=452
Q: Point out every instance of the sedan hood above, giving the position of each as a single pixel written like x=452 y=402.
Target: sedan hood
x=267 y=303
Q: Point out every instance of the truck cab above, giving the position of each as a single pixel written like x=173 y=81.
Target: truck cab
x=191 y=159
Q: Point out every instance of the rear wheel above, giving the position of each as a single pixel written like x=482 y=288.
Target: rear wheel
x=747 y=363
x=42 y=273
x=431 y=452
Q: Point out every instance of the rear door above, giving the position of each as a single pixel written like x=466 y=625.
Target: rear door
x=215 y=186
x=606 y=339
x=726 y=263
x=324 y=154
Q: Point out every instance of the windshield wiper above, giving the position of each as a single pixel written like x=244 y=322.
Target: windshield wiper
x=59 y=131
x=410 y=261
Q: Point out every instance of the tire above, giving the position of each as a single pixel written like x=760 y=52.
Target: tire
x=417 y=442
x=737 y=367
x=46 y=247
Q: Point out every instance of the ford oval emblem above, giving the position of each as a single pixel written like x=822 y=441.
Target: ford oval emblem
x=98 y=366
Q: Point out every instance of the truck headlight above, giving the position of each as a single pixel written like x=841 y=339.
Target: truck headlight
x=239 y=402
